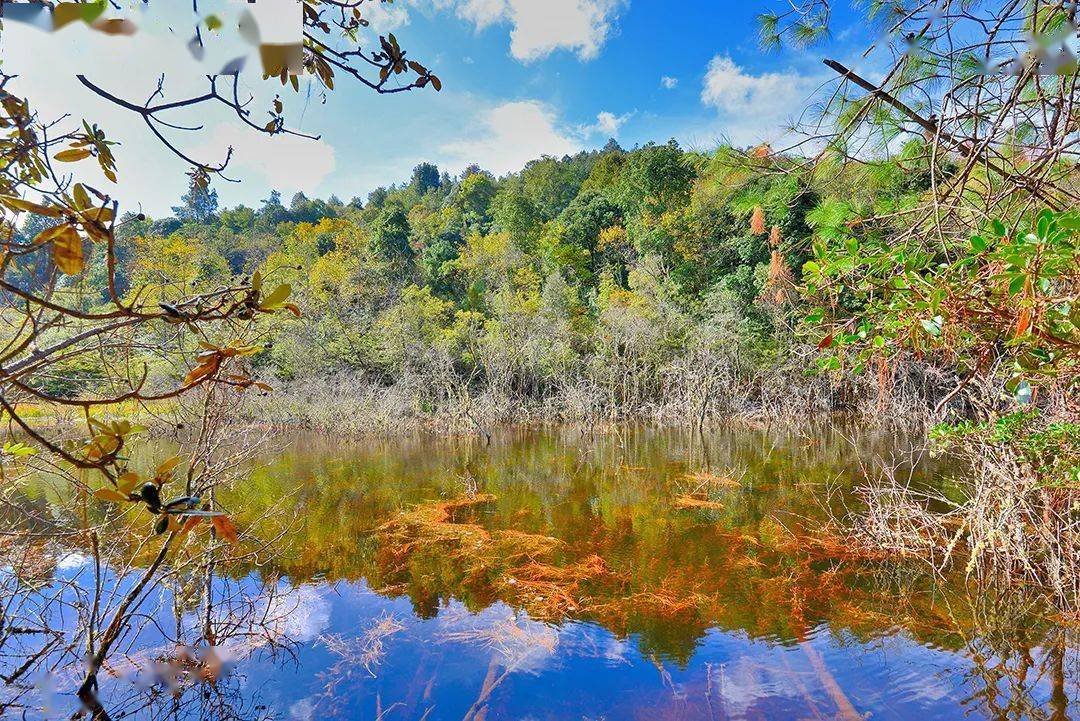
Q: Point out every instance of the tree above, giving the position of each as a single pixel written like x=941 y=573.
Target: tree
x=473 y=198
x=969 y=270
x=390 y=239
x=82 y=221
x=198 y=205
x=425 y=177
x=656 y=178
x=583 y=221
x=377 y=198
x=550 y=184
x=513 y=213
x=272 y=211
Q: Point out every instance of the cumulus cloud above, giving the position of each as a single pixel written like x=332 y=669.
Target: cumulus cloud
x=731 y=89
x=540 y=28
x=750 y=108
x=607 y=124
x=384 y=17
x=668 y=83
x=508 y=135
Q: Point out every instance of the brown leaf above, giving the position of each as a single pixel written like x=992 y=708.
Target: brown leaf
x=225 y=528
x=1023 y=322
x=826 y=342
x=115 y=26
x=189 y=524
x=127 y=481
x=204 y=369
x=108 y=494
x=757 y=221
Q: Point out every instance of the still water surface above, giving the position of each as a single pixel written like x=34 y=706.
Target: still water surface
x=625 y=575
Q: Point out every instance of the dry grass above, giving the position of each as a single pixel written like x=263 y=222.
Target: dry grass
x=1001 y=524
x=691 y=502
x=365 y=651
x=696 y=388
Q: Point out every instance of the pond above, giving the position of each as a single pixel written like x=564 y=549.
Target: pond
x=625 y=574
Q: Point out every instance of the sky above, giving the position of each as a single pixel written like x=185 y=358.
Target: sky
x=521 y=78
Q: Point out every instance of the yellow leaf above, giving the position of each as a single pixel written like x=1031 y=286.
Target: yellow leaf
x=20 y=204
x=276 y=297
x=49 y=233
x=72 y=155
x=82 y=198
x=108 y=494
x=65 y=13
x=127 y=481
x=167 y=466
x=67 y=252
x=101 y=215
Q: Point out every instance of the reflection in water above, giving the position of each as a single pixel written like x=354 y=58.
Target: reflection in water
x=635 y=575
x=628 y=575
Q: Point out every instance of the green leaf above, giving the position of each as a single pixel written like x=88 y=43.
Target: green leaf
x=932 y=326
x=978 y=243
x=1023 y=393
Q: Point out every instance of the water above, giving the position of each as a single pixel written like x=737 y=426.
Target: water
x=623 y=575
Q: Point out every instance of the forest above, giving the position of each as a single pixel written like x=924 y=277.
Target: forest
x=651 y=284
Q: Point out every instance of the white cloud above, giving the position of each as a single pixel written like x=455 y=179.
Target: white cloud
x=481 y=12
x=730 y=89
x=507 y=136
x=539 y=27
x=285 y=162
x=607 y=124
x=668 y=83
x=385 y=18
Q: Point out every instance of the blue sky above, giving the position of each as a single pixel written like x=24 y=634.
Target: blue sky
x=521 y=78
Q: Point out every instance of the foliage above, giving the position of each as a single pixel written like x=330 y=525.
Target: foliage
x=1051 y=448
x=1001 y=296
